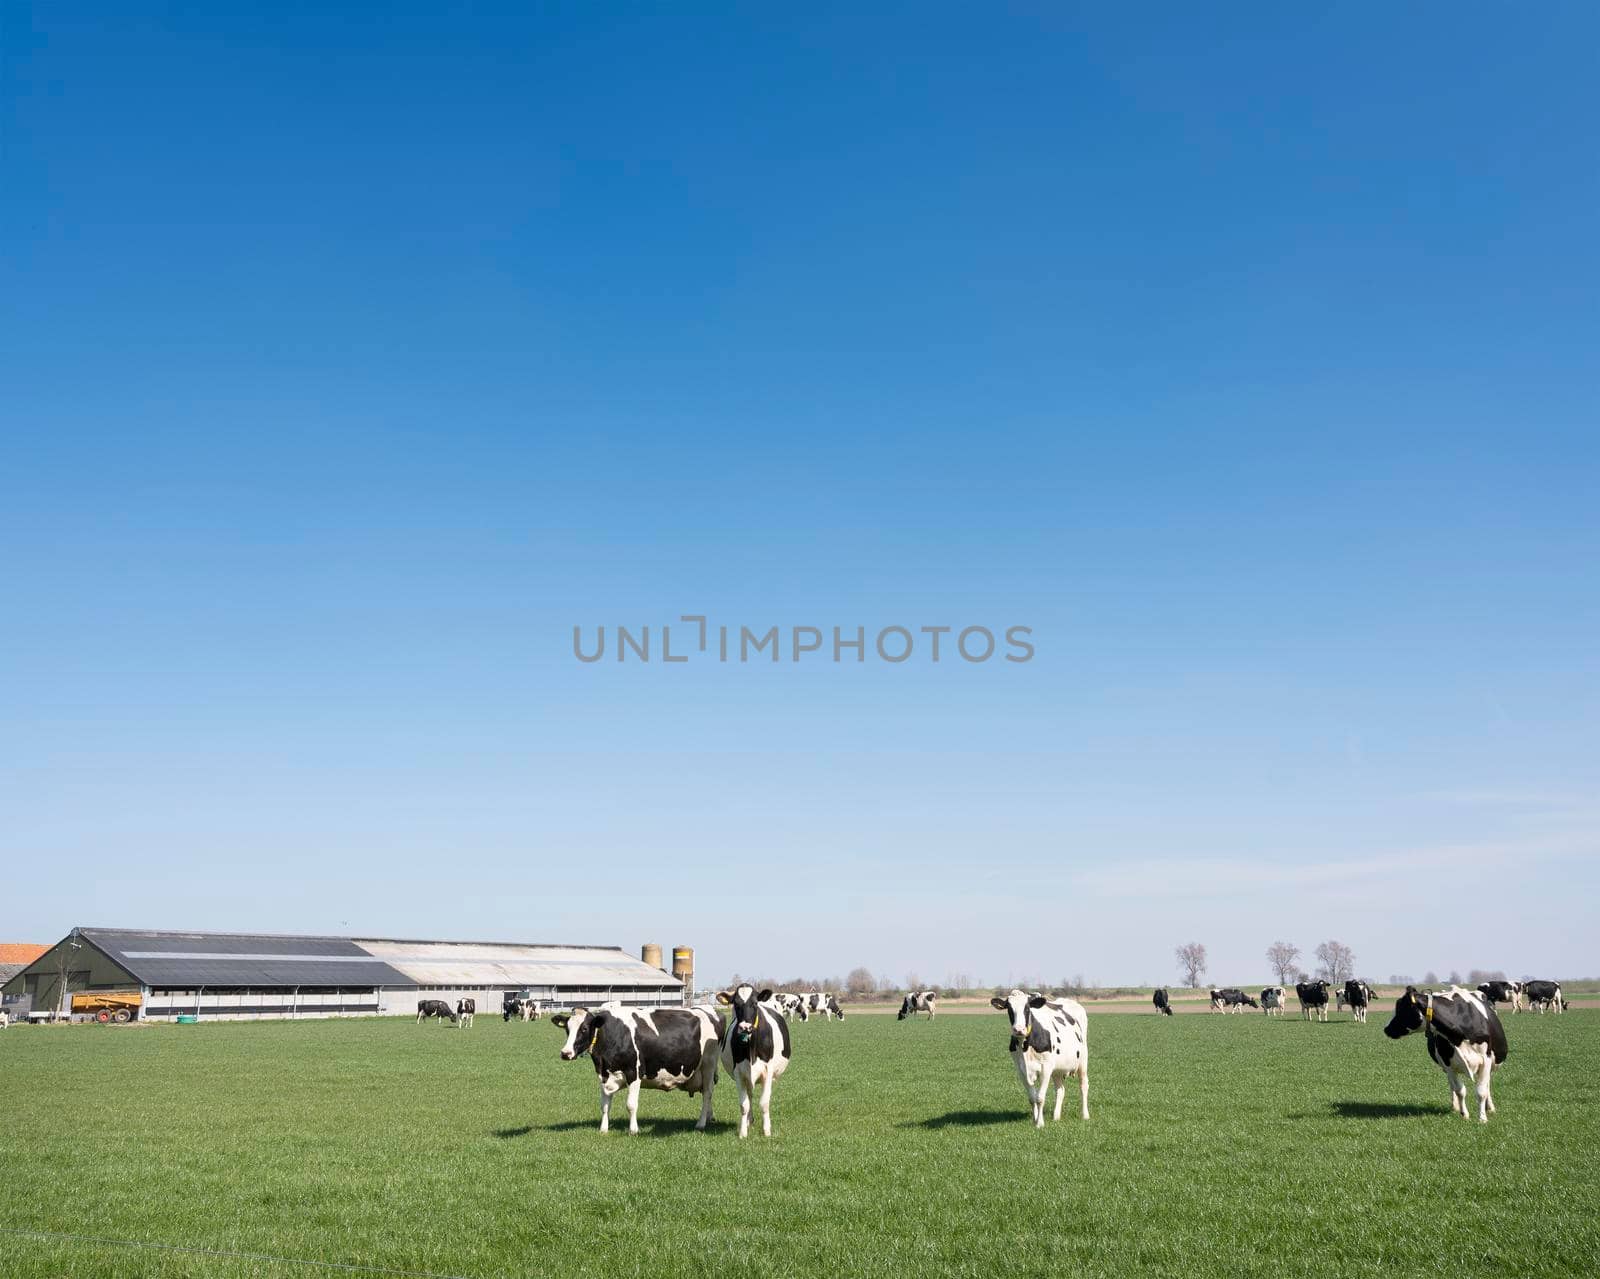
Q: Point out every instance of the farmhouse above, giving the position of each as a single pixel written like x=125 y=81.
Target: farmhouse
x=253 y=975
x=15 y=956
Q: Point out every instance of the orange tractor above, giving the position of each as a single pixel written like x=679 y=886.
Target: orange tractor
x=108 y=1005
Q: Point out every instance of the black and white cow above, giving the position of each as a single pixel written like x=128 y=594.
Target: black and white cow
x=791 y=1005
x=427 y=1008
x=1313 y=997
x=1502 y=992
x=1272 y=1001
x=1160 y=1000
x=667 y=1049
x=1357 y=996
x=466 y=1010
x=1049 y=1041
x=1544 y=995
x=1464 y=1037
x=5 y=1019
x=822 y=1001
x=1231 y=1000
x=755 y=1050
x=918 y=1001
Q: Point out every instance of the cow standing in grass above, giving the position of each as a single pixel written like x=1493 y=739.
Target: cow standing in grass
x=430 y=1008
x=1313 y=996
x=1049 y=1041
x=1544 y=994
x=667 y=1049
x=1160 y=1000
x=918 y=1001
x=822 y=1001
x=466 y=1011
x=791 y=1005
x=756 y=1049
x=1465 y=1038
x=1272 y=1000
x=1357 y=997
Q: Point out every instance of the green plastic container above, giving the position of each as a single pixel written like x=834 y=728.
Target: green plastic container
x=187 y=1019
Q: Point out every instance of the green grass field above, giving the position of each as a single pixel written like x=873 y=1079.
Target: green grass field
x=1230 y=1145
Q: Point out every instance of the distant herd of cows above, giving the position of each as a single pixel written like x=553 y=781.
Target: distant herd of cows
x=681 y=1049
x=1357 y=996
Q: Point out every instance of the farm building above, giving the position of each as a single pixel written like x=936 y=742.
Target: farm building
x=15 y=956
x=250 y=975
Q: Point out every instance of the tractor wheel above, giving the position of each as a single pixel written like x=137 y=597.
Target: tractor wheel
x=102 y=1016
x=121 y=1015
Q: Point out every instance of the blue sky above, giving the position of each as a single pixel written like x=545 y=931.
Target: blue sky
x=352 y=356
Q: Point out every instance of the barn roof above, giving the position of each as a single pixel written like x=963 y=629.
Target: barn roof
x=20 y=952
x=193 y=959
x=241 y=959
x=502 y=963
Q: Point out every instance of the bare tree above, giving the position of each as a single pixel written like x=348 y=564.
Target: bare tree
x=1191 y=957
x=1284 y=959
x=861 y=982
x=1336 y=962
x=1430 y=978
x=913 y=981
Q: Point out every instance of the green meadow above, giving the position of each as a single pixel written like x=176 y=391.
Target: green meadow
x=1218 y=1145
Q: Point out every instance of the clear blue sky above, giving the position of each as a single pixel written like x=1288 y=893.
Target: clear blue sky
x=352 y=355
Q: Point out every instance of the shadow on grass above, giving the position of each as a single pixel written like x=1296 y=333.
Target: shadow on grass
x=1375 y=1110
x=971 y=1119
x=593 y=1125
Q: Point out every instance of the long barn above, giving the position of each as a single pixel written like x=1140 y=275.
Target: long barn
x=268 y=975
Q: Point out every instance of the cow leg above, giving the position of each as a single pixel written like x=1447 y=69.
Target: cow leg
x=633 y=1106
x=766 y=1102
x=605 y=1109
x=708 y=1082
x=1061 y=1096
x=1485 y=1101
x=742 y=1078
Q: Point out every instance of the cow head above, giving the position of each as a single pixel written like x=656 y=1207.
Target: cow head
x=583 y=1026
x=1412 y=1011
x=1018 y=1007
x=746 y=1001
x=906 y=1006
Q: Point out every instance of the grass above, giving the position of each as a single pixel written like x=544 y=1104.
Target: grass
x=1230 y=1145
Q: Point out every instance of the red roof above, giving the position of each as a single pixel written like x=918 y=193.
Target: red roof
x=20 y=952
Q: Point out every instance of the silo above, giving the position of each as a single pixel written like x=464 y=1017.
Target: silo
x=683 y=970
x=650 y=952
